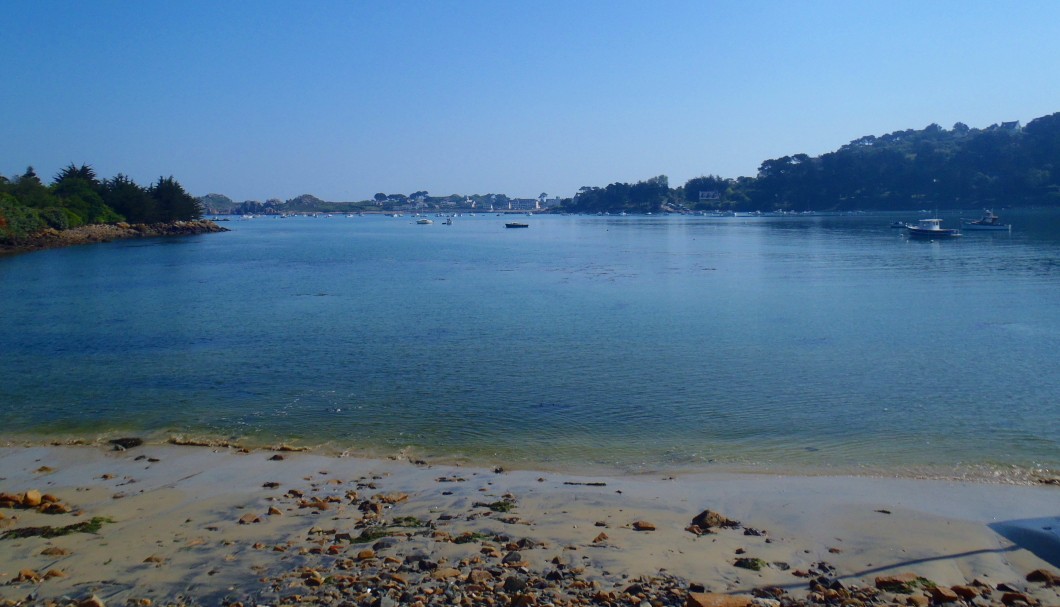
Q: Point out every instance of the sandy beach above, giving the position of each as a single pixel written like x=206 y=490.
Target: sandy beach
x=216 y=526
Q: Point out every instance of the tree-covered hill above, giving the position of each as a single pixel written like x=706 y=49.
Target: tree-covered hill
x=962 y=167
x=77 y=197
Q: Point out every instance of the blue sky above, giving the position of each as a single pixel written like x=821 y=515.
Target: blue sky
x=268 y=99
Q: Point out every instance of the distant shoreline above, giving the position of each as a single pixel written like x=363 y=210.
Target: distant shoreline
x=89 y=234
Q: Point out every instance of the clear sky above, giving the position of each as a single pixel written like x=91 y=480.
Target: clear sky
x=262 y=99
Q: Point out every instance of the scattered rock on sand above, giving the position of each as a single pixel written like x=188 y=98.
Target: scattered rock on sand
x=901 y=582
x=643 y=526
x=121 y=444
x=31 y=499
x=710 y=599
x=55 y=551
x=708 y=519
x=1044 y=575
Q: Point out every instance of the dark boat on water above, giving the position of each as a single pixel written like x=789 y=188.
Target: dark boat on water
x=988 y=222
x=516 y=224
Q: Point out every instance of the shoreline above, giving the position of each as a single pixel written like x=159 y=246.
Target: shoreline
x=984 y=473
x=53 y=239
x=214 y=525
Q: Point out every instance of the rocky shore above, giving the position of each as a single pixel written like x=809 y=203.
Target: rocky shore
x=51 y=238
x=147 y=525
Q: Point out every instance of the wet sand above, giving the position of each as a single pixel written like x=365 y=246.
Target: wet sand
x=200 y=525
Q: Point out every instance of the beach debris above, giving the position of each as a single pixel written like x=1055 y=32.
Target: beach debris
x=754 y=564
x=91 y=526
x=643 y=526
x=599 y=539
x=44 y=470
x=593 y=484
x=121 y=444
x=504 y=505
x=276 y=458
x=903 y=583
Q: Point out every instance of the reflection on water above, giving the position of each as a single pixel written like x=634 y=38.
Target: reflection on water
x=637 y=342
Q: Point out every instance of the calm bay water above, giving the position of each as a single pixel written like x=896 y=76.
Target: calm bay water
x=627 y=342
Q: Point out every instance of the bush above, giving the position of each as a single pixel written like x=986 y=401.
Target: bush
x=16 y=221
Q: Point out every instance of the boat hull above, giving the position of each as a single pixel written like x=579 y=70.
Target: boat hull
x=933 y=234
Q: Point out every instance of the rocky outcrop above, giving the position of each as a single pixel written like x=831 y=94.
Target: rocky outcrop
x=51 y=238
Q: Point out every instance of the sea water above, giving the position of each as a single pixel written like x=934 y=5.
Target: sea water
x=631 y=343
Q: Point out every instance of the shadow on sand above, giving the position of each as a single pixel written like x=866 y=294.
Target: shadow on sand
x=1040 y=536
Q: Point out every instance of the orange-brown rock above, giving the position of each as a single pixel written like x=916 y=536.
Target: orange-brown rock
x=942 y=594
x=445 y=573
x=1044 y=575
x=1017 y=598
x=711 y=599
x=708 y=518
x=31 y=499
x=917 y=600
x=966 y=592
x=600 y=538
x=249 y=518
x=643 y=526
x=28 y=575
x=55 y=551
x=900 y=580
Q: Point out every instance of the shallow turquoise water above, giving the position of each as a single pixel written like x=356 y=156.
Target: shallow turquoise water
x=630 y=342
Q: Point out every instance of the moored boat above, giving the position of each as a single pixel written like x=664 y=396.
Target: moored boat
x=424 y=221
x=516 y=224
x=931 y=229
x=988 y=221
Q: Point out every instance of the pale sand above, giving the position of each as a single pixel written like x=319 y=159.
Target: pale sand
x=184 y=510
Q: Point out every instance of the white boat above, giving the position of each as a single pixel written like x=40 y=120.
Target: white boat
x=424 y=221
x=931 y=228
x=988 y=221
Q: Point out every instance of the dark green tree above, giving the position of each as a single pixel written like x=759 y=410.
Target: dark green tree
x=174 y=204
x=130 y=200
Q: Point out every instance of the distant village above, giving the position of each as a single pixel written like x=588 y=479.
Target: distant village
x=218 y=204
